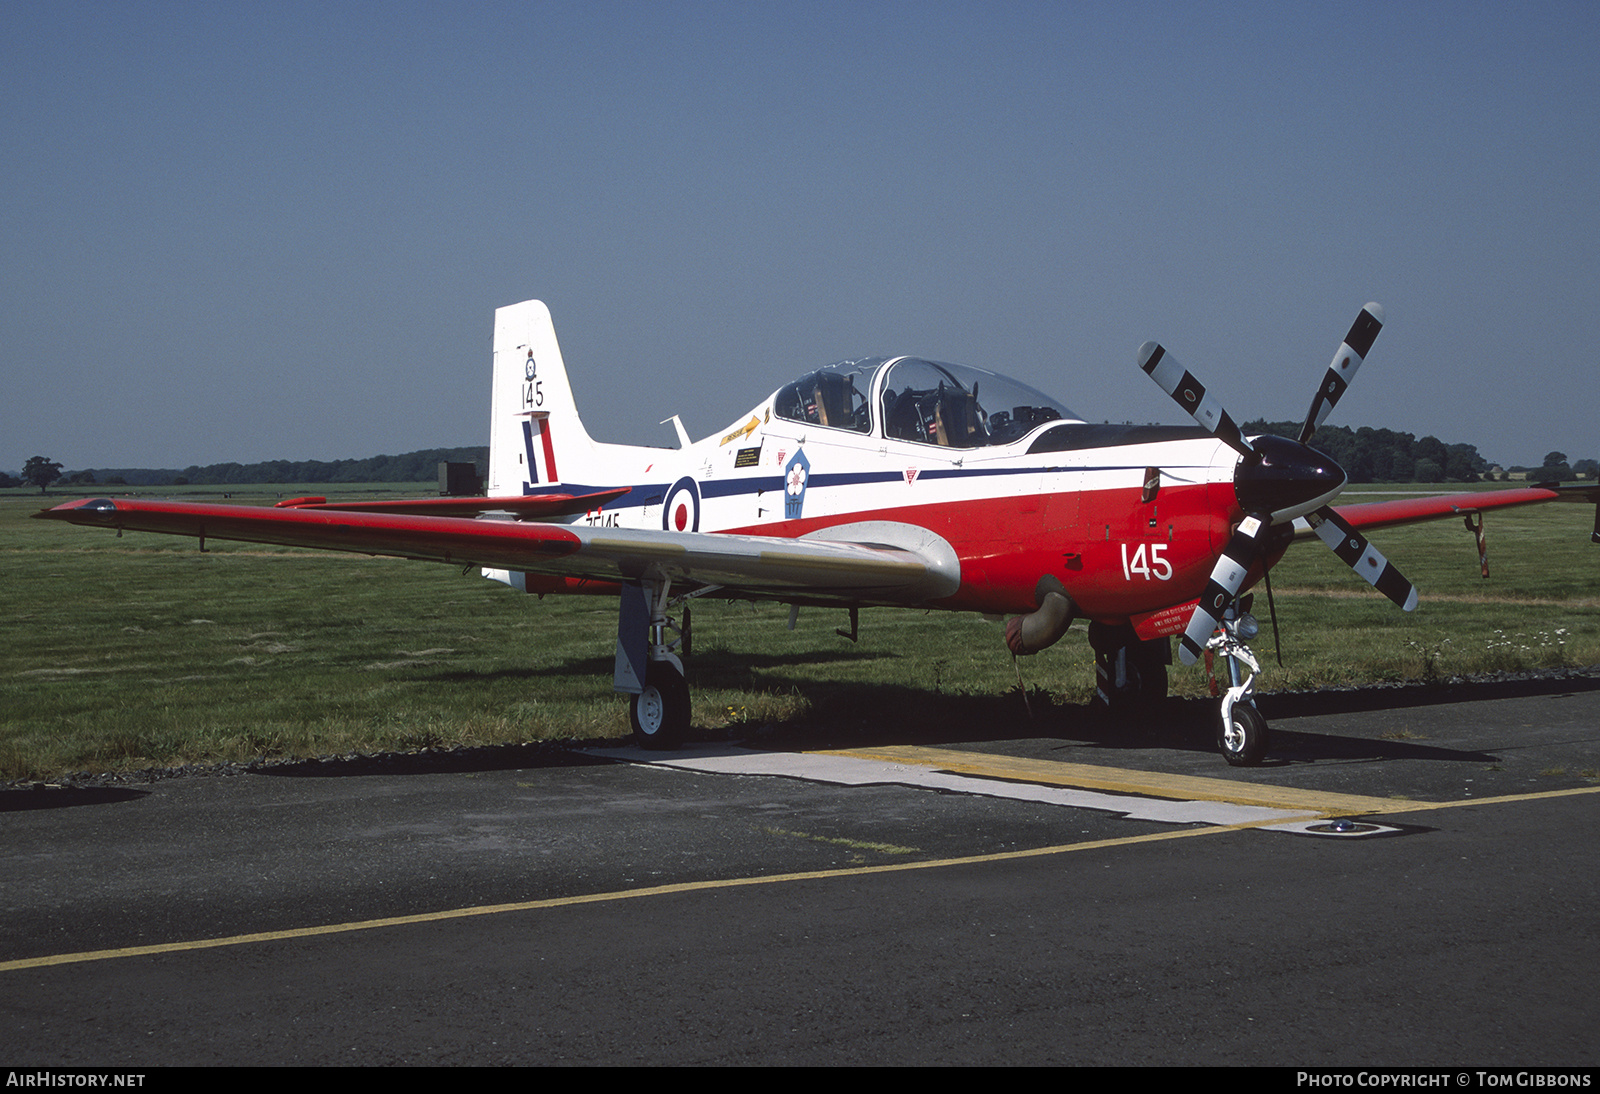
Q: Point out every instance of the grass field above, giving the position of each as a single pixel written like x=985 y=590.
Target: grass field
x=122 y=654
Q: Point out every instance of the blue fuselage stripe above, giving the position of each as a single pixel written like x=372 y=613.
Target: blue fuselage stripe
x=653 y=493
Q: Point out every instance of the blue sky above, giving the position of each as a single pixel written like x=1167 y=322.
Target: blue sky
x=279 y=231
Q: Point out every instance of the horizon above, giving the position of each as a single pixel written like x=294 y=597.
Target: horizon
x=114 y=469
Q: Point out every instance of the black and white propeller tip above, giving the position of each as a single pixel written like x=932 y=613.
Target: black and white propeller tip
x=1346 y=360
x=1227 y=576
x=1189 y=393
x=1356 y=552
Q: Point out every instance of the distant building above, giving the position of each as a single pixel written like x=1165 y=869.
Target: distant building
x=459 y=479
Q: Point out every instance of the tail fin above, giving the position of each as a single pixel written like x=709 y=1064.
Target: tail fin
x=535 y=435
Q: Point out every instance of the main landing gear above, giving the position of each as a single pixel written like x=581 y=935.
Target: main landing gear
x=1129 y=674
x=648 y=666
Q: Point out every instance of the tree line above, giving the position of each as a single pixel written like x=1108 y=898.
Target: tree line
x=419 y=466
x=1384 y=455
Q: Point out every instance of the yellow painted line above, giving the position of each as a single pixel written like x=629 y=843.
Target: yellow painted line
x=603 y=898
x=1387 y=805
x=1183 y=787
x=1415 y=807
x=1123 y=780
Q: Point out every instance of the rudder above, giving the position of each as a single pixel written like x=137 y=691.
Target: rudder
x=535 y=434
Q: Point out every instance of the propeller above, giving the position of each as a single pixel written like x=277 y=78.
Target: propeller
x=1276 y=480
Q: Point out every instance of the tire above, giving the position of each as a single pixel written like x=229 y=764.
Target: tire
x=660 y=713
x=1244 y=743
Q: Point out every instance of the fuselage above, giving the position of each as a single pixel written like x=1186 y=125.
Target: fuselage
x=1129 y=518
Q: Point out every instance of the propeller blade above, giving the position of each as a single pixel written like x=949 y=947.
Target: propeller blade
x=1226 y=578
x=1366 y=560
x=1352 y=351
x=1190 y=394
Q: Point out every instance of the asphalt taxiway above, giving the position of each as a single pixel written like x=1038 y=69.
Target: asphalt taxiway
x=1411 y=879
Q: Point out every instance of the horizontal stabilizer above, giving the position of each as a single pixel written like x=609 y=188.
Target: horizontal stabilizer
x=527 y=506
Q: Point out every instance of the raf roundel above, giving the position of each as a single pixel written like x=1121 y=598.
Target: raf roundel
x=681 y=513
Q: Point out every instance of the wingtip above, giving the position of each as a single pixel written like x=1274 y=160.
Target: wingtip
x=66 y=508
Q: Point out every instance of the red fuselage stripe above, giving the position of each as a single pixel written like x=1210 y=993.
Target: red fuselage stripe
x=1115 y=554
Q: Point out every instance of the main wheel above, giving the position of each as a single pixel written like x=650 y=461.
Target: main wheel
x=1243 y=739
x=660 y=713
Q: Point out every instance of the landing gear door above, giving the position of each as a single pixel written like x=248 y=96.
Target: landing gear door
x=633 y=640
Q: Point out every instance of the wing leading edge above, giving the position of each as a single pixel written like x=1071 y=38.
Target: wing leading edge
x=875 y=564
x=1415 y=510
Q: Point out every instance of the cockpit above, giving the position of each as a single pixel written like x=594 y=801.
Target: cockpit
x=836 y=396
x=951 y=406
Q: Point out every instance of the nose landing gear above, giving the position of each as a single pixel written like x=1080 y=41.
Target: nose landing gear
x=1242 y=732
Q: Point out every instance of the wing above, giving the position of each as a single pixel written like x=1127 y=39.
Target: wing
x=1414 y=510
x=876 y=562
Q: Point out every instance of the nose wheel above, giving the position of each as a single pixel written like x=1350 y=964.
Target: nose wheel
x=1242 y=736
